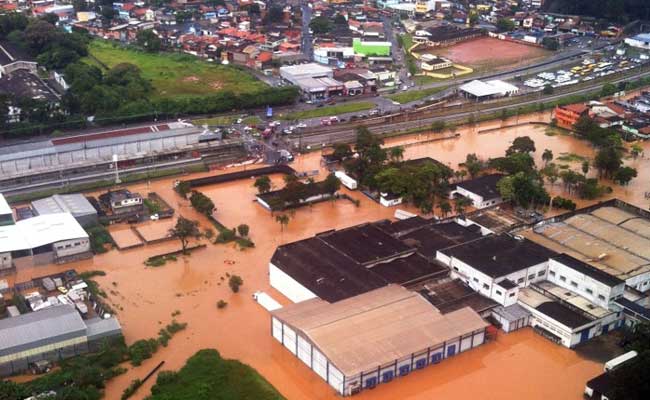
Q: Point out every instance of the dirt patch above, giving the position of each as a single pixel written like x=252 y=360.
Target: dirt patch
x=125 y=238
x=491 y=52
x=216 y=85
x=191 y=78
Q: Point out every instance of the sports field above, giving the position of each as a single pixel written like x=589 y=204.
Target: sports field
x=491 y=53
x=174 y=75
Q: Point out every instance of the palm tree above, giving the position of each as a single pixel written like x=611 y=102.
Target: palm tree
x=396 y=153
x=547 y=156
x=445 y=208
x=283 y=220
x=460 y=203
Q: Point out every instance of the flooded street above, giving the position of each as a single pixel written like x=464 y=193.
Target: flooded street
x=516 y=366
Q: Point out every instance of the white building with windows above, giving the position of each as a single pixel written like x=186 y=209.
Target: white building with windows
x=481 y=191
x=497 y=266
x=42 y=239
x=375 y=337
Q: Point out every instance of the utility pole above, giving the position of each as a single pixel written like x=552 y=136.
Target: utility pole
x=117 y=172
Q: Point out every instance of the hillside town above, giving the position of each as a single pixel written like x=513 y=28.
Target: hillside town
x=310 y=199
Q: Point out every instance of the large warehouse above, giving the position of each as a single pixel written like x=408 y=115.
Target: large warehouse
x=75 y=204
x=42 y=240
x=375 y=337
x=52 y=334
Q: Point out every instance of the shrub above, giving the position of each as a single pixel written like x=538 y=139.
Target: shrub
x=131 y=389
x=226 y=236
x=221 y=304
x=235 y=282
x=182 y=188
x=141 y=350
x=561 y=202
x=243 y=230
x=245 y=243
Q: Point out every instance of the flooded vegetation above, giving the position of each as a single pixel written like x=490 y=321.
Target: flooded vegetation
x=520 y=365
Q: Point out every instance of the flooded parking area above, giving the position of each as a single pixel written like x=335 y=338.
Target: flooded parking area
x=516 y=366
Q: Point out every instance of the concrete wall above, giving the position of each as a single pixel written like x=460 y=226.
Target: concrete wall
x=289 y=287
x=71 y=247
x=311 y=356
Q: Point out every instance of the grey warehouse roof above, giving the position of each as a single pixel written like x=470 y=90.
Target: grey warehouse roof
x=100 y=328
x=75 y=204
x=40 y=328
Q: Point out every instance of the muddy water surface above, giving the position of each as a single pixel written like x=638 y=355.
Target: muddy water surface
x=517 y=366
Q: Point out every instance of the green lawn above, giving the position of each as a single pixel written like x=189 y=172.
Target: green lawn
x=208 y=376
x=228 y=120
x=413 y=95
x=174 y=75
x=330 y=110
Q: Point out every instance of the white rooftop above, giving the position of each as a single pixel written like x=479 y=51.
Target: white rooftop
x=490 y=88
x=4 y=206
x=39 y=231
x=310 y=68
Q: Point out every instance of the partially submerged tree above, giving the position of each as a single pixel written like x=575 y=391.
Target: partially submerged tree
x=185 y=229
x=235 y=282
x=283 y=220
x=263 y=184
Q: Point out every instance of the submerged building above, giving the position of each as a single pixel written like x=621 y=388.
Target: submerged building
x=51 y=334
x=375 y=337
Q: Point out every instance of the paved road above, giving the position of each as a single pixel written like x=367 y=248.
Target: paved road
x=307 y=45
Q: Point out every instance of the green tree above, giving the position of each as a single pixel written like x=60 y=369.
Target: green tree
x=473 y=165
x=636 y=151
x=396 y=153
x=624 y=175
x=185 y=229
x=235 y=281
x=263 y=184
x=331 y=184
x=473 y=18
x=608 y=90
x=243 y=230
x=547 y=156
x=460 y=203
x=548 y=89
x=320 y=25
x=505 y=24
x=426 y=207
x=550 y=43
x=148 y=40
x=585 y=167
x=283 y=220
x=342 y=151
x=438 y=126
x=522 y=190
x=445 y=208
x=521 y=144
x=202 y=203
x=607 y=161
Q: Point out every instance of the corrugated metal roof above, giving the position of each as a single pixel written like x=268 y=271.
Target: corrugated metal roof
x=76 y=204
x=377 y=327
x=40 y=230
x=41 y=327
x=99 y=328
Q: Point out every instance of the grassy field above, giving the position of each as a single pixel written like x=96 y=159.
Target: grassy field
x=414 y=95
x=175 y=75
x=330 y=110
x=208 y=376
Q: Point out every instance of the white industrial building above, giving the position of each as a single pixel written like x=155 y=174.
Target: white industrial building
x=497 y=266
x=90 y=149
x=42 y=240
x=481 y=191
x=375 y=337
x=480 y=90
x=641 y=41
x=315 y=81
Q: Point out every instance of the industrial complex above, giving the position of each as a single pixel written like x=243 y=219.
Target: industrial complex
x=443 y=283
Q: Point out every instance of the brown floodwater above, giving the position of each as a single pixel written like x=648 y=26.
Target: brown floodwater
x=518 y=366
